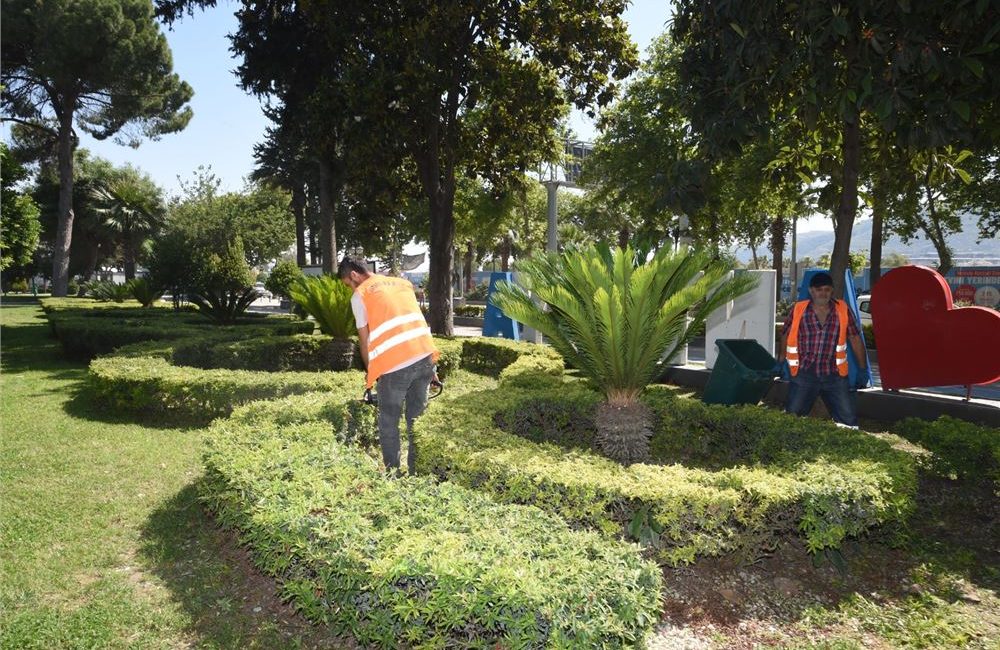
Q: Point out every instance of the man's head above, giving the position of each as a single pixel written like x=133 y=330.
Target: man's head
x=352 y=272
x=821 y=288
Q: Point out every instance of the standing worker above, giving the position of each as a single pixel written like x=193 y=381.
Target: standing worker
x=398 y=351
x=814 y=342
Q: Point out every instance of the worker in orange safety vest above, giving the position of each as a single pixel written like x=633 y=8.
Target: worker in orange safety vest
x=397 y=350
x=814 y=343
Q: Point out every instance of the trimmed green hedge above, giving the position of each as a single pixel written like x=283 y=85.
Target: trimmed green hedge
x=411 y=562
x=959 y=449
x=151 y=384
x=533 y=370
x=798 y=477
x=490 y=356
x=90 y=332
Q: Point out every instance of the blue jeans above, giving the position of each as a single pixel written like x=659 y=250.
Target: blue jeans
x=806 y=386
x=407 y=385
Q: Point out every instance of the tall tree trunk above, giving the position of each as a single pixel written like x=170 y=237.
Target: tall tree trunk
x=778 y=230
x=313 y=248
x=878 y=218
x=299 y=209
x=848 y=208
x=129 y=254
x=442 y=208
x=470 y=254
x=505 y=255
x=932 y=228
x=64 y=229
x=329 y=187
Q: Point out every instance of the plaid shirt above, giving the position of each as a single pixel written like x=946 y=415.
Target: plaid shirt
x=818 y=341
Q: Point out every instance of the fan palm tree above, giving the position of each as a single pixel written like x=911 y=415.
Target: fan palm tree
x=328 y=301
x=617 y=316
x=132 y=207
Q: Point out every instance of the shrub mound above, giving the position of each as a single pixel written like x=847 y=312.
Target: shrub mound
x=959 y=449
x=490 y=356
x=411 y=561
x=789 y=476
x=87 y=329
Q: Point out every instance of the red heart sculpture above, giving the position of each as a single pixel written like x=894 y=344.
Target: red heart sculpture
x=923 y=341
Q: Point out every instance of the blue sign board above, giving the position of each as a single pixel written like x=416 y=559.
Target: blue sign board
x=496 y=323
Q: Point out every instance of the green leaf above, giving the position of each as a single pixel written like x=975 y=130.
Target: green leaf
x=974 y=65
x=738 y=30
x=961 y=108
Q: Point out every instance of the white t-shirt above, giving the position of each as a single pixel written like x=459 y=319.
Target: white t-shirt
x=361 y=320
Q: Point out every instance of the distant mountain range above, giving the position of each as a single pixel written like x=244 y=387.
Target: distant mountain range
x=966 y=250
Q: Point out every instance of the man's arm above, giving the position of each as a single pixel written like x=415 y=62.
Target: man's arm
x=859 y=350
x=363 y=338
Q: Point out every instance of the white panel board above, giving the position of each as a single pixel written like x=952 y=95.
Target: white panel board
x=751 y=316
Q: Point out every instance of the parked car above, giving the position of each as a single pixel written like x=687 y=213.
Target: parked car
x=864 y=307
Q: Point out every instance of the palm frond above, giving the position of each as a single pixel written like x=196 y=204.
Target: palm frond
x=328 y=301
x=613 y=313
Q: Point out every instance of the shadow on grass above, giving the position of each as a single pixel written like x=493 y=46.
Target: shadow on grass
x=229 y=602
x=84 y=404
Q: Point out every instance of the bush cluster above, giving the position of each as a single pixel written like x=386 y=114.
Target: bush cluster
x=152 y=384
x=958 y=449
x=795 y=476
x=412 y=562
x=87 y=329
x=471 y=311
x=490 y=356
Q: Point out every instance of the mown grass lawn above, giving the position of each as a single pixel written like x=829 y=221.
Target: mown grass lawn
x=103 y=542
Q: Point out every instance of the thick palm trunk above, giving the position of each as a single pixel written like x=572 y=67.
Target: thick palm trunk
x=442 y=260
x=130 y=255
x=470 y=254
x=624 y=431
x=64 y=228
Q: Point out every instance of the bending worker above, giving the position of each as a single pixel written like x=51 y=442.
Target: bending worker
x=814 y=342
x=398 y=352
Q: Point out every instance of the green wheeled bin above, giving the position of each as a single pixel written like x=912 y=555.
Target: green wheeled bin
x=743 y=373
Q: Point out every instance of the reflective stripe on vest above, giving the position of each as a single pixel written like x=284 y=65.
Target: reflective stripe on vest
x=792 y=344
x=397 y=331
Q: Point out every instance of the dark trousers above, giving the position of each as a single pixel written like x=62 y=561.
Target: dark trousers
x=806 y=386
x=406 y=386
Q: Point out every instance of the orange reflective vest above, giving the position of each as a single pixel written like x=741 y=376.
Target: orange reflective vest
x=397 y=331
x=792 y=345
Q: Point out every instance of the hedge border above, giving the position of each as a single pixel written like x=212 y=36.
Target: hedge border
x=680 y=513
x=413 y=561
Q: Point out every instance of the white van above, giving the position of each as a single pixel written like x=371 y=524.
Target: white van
x=864 y=307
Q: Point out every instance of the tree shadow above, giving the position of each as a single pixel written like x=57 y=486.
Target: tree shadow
x=86 y=405
x=229 y=602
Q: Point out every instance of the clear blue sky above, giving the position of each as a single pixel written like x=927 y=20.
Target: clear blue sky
x=227 y=122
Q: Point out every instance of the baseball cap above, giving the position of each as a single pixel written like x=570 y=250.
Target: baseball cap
x=821 y=280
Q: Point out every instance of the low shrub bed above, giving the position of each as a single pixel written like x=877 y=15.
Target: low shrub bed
x=411 y=562
x=87 y=333
x=788 y=476
x=301 y=352
x=152 y=384
x=959 y=449
x=490 y=356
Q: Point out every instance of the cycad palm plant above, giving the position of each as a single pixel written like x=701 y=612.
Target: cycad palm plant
x=328 y=301
x=616 y=316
